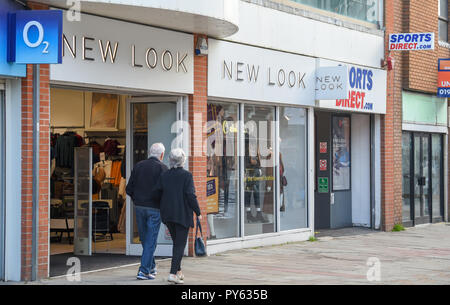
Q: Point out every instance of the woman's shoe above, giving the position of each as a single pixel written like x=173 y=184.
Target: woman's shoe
x=173 y=278
x=180 y=275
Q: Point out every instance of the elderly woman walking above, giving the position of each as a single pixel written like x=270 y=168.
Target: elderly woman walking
x=176 y=192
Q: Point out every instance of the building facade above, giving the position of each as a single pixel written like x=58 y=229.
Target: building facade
x=272 y=160
x=416 y=120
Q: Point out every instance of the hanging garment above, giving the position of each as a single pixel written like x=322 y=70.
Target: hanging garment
x=122 y=187
x=116 y=173
x=64 y=149
x=111 y=147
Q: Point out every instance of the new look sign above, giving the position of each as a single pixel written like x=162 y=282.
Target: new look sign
x=34 y=37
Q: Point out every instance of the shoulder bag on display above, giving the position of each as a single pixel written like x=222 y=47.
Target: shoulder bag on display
x=199 y=245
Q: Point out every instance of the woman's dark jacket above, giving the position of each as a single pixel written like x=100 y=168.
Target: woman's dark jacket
x=176 y=192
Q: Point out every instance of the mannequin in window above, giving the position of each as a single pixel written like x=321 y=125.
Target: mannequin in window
x=253 y=173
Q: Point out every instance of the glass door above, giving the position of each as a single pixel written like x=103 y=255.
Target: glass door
x=407 y=211
x=437 y=174
x=421 y=179
x=151 y=120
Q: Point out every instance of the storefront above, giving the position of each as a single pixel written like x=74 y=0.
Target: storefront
x=424 y=143
x=121 y=87
x=259 y=122
x=347 y=151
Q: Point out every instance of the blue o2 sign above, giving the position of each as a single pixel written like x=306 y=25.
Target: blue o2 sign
x=35 y=37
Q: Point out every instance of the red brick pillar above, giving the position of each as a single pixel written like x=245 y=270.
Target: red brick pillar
x=387 y=132
x=197 y=121
x=27 y=168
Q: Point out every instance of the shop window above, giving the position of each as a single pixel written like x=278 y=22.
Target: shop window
x=443 y=20
x=406 y=174
x=292 y=166
x=222 y=171
x=259 y=169
x=436 y=177
x=341 y=153
x=365 y=10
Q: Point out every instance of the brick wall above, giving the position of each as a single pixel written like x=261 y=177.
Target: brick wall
x=27 y=167
x=197 y=119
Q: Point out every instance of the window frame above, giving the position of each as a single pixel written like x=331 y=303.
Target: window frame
x=443 y=19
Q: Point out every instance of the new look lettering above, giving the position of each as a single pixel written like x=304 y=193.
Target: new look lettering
x=108 y=51
x=278 y=77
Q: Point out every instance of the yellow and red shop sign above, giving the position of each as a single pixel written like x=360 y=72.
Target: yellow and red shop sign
x=443 y=77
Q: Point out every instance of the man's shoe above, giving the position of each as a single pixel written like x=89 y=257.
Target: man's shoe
x=142 y=276
x=153 y=272
x=173 y=278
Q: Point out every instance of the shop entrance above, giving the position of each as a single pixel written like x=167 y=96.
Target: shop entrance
x=343 y=193
x=106 y=133
x=422 y=178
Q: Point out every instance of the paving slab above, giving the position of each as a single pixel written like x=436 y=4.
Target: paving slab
x=419 y=255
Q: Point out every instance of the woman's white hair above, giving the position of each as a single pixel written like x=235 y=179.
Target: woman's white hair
x=177 y=158
x=156 y=150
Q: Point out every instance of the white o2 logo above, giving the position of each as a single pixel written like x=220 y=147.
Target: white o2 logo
x=40 y=39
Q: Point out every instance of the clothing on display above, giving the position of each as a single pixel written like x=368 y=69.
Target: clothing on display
x=111 y=147
x=64 y=148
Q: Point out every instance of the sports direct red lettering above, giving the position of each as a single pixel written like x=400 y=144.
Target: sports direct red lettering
x=355 y=100
x=352 y=104
x=358 y=98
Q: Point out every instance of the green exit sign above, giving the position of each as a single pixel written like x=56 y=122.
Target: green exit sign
x=323 y=185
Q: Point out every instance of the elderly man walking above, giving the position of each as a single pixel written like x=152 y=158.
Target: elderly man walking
x=143 y=178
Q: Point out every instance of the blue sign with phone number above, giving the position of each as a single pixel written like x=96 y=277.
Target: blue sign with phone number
x=443 y=92
x=34 y=37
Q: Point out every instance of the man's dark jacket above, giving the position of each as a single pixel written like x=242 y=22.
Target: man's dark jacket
x=176 y=191
x=143 y=179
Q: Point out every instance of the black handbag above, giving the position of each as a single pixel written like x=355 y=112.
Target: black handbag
x=199 y=244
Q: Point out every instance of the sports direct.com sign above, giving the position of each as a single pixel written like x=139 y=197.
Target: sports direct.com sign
x=411 y=41
x=365 y=91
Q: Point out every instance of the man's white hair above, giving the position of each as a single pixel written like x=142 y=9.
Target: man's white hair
x=177 y=158
x=156 y=150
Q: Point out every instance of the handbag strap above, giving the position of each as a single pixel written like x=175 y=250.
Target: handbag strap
x=199 y=226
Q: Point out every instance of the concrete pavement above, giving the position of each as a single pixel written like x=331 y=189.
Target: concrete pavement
x=419 y=255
